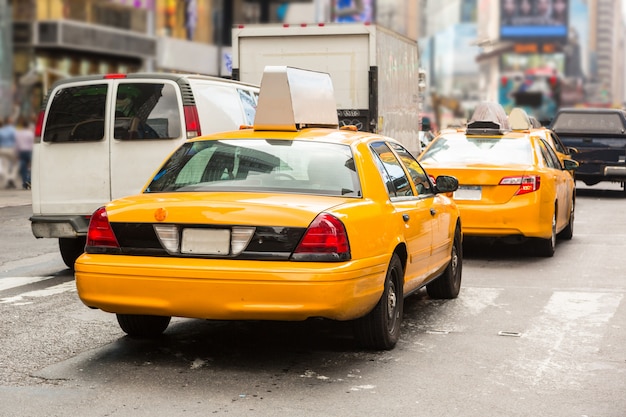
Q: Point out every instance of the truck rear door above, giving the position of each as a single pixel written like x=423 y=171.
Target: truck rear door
x=147 y=124
x=71 y=161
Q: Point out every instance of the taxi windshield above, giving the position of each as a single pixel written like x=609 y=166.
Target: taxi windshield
x=259 y=165
x=461 y=149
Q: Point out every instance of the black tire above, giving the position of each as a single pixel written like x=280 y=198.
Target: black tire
x=380 y=328
x=71 y=249
x=448 y=284
x=568 y=232
x=546 y=247
x=142 y=326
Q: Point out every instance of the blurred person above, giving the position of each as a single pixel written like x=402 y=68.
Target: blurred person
x=543 y=8
x=525 y=7
x=24 y=139
x=559 y=12
x=8 y=153
x=509 y=11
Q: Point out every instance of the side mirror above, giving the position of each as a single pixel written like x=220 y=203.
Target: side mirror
x=570 y=165
x=572 y=150
x=446 y=184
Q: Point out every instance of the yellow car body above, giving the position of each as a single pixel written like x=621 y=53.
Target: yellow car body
x=141 y=278
x=511 y=184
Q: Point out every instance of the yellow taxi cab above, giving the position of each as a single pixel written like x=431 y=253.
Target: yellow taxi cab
x=289 y=220
x=511 y=182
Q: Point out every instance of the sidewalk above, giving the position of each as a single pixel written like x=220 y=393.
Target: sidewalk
x=15 y=197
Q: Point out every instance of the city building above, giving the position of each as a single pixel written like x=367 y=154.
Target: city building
x=44 y=40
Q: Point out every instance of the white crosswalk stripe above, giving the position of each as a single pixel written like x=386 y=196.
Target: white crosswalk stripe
x=28 y=297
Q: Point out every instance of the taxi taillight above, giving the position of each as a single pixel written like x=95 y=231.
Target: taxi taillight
x=325 y=240
x=100 y=233
x=192 y=122
x=527 y=183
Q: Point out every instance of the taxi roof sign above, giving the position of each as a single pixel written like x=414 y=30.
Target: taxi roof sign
x=519 y=120
x=488 y=118
x=292 y=98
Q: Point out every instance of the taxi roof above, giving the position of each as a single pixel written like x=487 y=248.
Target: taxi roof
x=293 y=98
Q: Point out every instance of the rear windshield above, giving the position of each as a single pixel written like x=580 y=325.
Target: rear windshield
x=76 y=114
x=461 y=149
x=260 y=165
x=589 y=122
x=142 y=111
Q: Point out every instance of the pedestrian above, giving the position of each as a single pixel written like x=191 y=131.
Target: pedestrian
x=24 y=139
x=8 y=154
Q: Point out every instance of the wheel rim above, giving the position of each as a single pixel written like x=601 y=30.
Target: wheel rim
x=392 y=307
x=454 y=264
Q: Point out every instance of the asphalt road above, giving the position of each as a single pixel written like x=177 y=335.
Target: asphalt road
x=527 y=336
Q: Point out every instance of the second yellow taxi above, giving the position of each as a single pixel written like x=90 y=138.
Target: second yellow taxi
x=511 y=181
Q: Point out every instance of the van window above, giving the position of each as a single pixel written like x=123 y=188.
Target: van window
x=146 y=111
x=249 y=101
x=76 y=114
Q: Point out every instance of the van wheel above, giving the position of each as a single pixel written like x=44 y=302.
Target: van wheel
x=143 y=326
x=380 y=328
x=71 y=249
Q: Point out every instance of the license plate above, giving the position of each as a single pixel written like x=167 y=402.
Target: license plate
x=206 y=241
x=468 y=192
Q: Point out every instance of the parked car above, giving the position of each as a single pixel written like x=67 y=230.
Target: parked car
x=292 y=219
x=598 y=139
x=511 y=182
x=101 y=137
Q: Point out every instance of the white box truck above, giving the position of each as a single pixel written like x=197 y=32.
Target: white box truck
x=375 y=72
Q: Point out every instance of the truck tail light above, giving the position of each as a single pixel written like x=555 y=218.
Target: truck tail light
x=100 y=233
x=39 y=125
x=325 y=240
x=527 y=183
x=192 y=122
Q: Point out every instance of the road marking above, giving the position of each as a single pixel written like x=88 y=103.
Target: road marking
x=570 y=325
x=13 y=282
x=24 y=298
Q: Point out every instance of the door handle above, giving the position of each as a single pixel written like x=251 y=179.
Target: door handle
x=405 y=217
x=433 y=211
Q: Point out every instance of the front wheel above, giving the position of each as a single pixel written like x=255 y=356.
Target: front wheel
x=71 y=249
x=143 y=326
x=448 y=284
x=380 y=328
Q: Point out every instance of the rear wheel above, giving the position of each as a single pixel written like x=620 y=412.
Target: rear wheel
x=143 y=326
x=546 y=247
x=380 y=328
x=448 y=285
x=568 y=232
x=71 y=249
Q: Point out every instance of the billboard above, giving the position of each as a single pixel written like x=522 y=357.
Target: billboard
x=534 y=19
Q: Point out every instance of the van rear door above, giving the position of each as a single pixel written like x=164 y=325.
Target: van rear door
x=72 y=163
x=148 y=124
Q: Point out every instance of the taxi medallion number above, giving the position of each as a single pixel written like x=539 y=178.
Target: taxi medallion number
x=206 y=241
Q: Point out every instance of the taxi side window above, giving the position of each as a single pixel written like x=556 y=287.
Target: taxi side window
x=419 y=176
x=558 y=144
x=390 y=168
x=549 y=156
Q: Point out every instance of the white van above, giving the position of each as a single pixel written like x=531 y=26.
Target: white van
x=101 y=137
